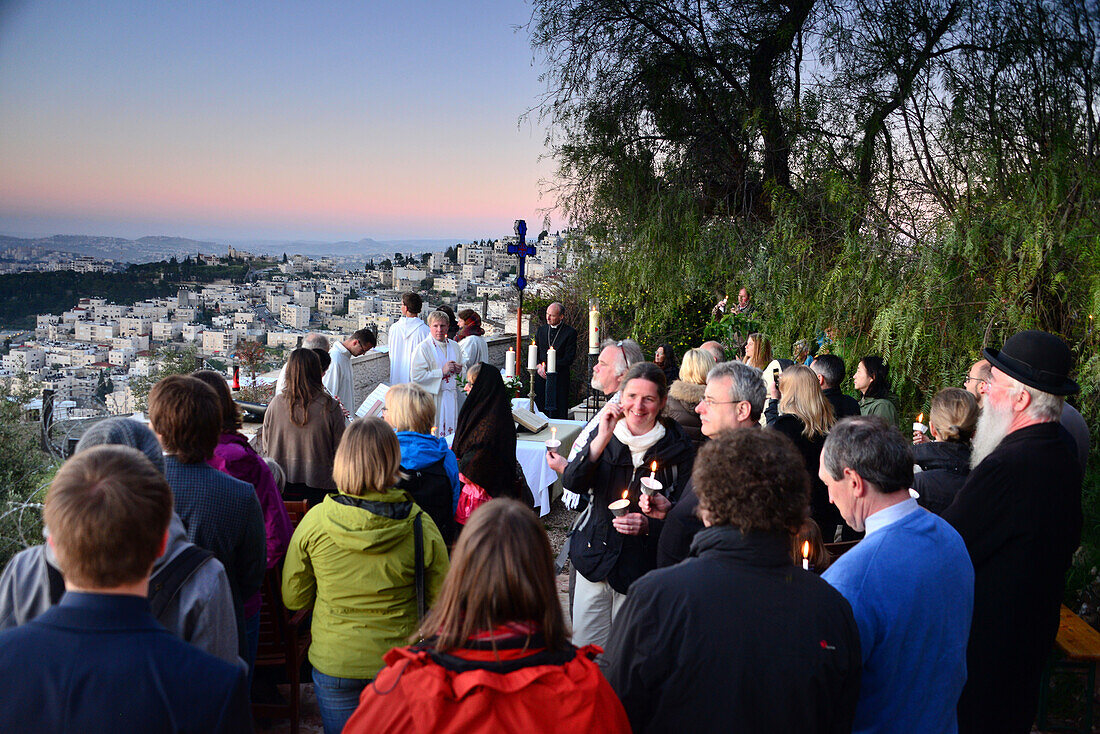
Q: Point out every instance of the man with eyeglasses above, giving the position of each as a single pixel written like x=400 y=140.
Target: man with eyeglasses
x=733 y=399
x=976 y=378
x=607 y=374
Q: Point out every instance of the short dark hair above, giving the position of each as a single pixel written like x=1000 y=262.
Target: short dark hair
x=647 y=371
x=231 y=412
x=107 y=509
x=186 y=415
x=752 y=480
x=366 y=338
x=412 y=302
x=879 y=372
x=873 y=449
x=830 y=367
x=324 y=358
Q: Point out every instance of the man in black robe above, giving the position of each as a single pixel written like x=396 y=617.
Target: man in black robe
x=563 y=338
x=1020 y=515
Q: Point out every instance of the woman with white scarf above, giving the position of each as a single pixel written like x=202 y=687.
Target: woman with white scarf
x=608 y=552
x=435 y=367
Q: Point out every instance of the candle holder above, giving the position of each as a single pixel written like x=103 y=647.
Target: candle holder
x=531 y=393
x=651 y=487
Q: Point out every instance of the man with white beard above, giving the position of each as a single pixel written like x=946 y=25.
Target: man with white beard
x=1020 y=515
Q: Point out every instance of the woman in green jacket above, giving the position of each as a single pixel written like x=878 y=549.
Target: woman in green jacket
x=872 y=379
x=352 y=559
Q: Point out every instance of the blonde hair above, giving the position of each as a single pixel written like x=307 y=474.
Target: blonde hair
x=368 y=459
x=954 y=413
x=695 y=366
x=437 y=316
x=409 y=407
x=800 y=395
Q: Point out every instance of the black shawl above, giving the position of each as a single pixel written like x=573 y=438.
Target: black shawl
x=485 y=437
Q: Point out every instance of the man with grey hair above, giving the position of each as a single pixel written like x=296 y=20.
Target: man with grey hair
x=562 y=338
x=909 y=581
x=614 y=360
x=1020 y=515
x=733 y=399
x=313 y=340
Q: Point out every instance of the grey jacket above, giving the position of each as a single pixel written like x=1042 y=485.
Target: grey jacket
x=201 y=613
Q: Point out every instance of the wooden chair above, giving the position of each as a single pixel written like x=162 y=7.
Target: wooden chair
x=296 y=509
x=284 y=641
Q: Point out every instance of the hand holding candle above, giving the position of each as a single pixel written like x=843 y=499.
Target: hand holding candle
x=619 y=507
x=650 y=485
x=919 y=430
x=553 y=443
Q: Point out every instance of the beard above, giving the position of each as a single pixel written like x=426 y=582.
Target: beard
x=993 y=425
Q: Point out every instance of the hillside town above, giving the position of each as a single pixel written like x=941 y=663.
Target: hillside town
x=91 y=355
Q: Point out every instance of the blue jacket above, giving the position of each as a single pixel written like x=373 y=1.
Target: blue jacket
x=419 y=450
x=101 y=663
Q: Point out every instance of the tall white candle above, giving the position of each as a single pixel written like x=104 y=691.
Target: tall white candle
x=593 y=331
x=532 y=356
x=551 y=360
x=510 y=363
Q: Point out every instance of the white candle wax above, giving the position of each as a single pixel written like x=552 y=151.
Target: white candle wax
x=510 y=364
x=805 y=564
x=551 y=360
x=532 y=356
x=593 y=331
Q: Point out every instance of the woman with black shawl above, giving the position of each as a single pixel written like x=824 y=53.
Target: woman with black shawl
x=485 y=444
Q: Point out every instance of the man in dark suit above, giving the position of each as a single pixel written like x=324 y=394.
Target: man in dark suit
x=830 y=375
x=563 y=338
x=99 y=661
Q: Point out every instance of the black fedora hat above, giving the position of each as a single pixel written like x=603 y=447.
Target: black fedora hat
x=1037 y=359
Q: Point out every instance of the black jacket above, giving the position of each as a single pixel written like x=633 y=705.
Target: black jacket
x=597 y=550
x=1020 y=515
x=824 y=512
x=944 y=468
x=564 y=341
x=679 y=529
x=737 y=639
x=843 y=405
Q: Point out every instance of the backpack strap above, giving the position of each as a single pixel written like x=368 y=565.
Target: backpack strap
x=166 y=583
x=57 y=582
x=418 y=543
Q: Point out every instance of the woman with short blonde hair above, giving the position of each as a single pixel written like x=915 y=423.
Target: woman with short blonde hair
x=944 y=462
x=409 y=407
x=353 y=561
x=685 y=393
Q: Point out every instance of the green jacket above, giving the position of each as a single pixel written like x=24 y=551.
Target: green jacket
x=884 y=407
x=352 y=560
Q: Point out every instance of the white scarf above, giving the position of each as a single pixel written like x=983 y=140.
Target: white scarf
x=638 y=445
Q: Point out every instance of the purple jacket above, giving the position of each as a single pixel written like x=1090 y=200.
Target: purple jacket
x=239 y=460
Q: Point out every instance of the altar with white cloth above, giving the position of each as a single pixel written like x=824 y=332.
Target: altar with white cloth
x=531 y=454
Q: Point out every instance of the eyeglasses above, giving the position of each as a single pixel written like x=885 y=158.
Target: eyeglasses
x=978 y=380
x=711 y=403
x=623 y=350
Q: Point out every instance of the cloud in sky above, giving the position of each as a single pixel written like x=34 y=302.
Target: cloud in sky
x=259 y=119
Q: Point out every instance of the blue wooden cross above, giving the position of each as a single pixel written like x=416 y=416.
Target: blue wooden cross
x=522 y=250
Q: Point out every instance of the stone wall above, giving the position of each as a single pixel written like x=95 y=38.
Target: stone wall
x=374 y=367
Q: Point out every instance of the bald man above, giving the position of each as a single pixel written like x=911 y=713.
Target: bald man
x=563 y=338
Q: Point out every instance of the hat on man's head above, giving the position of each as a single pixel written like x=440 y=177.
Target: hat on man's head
x=1037 y=359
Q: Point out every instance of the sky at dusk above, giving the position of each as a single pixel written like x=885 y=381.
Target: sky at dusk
x=268 y=120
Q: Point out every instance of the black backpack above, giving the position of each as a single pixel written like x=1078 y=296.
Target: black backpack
x=431 y=489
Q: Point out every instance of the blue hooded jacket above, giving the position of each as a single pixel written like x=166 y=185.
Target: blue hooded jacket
x=418 y=450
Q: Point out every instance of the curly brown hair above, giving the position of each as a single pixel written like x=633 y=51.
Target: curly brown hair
x=754 y=480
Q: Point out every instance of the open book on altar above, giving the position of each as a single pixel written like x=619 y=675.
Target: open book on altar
x=532 y=422
x=372 y=406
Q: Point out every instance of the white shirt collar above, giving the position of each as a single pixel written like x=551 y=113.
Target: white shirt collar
x=890 y=515
x=341 y=348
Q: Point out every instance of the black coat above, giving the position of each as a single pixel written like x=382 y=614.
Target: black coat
x=565 y=348
x=944 y=468
x=821 y=510
x=843 y=405
x=1020 y=515
x=736 y=639
x=597 y=550
x=679 y=529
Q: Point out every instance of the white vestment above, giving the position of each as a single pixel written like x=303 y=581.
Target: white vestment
x=338 y=379
x=404 y=337
x=427 y=371
x=474 y=349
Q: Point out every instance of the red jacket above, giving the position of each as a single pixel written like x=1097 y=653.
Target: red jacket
x=468 y=691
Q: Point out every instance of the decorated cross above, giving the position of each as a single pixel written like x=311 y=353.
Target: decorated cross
x=522 y=250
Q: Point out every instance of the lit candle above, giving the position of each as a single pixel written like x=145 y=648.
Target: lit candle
x=553 y=433
x=510 y=363
x=619 y=507
x=435 y=431
x=919 y=424
x=551 y=360
x=653 y=470
x=532 y=356
x=805 y=555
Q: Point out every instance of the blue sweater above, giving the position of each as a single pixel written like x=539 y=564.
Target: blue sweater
x=911 y=587
x=419 y=450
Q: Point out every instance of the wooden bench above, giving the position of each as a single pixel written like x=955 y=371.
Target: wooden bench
x=1078 y=650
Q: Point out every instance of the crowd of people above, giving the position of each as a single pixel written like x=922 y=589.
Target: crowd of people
x=753 y=549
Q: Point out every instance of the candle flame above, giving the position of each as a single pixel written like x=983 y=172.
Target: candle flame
x=920 y=418
x=626 y=492
x=653 y=466
x=805 y=549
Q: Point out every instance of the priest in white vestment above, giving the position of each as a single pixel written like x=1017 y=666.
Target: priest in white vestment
x=404 y=337
x=435 y=367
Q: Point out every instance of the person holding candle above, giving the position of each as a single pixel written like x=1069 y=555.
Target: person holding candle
x=944 y=461
x=435 y=367
x=910 y=583
x=735 y=638
x=562 y=338
x=610 y=553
